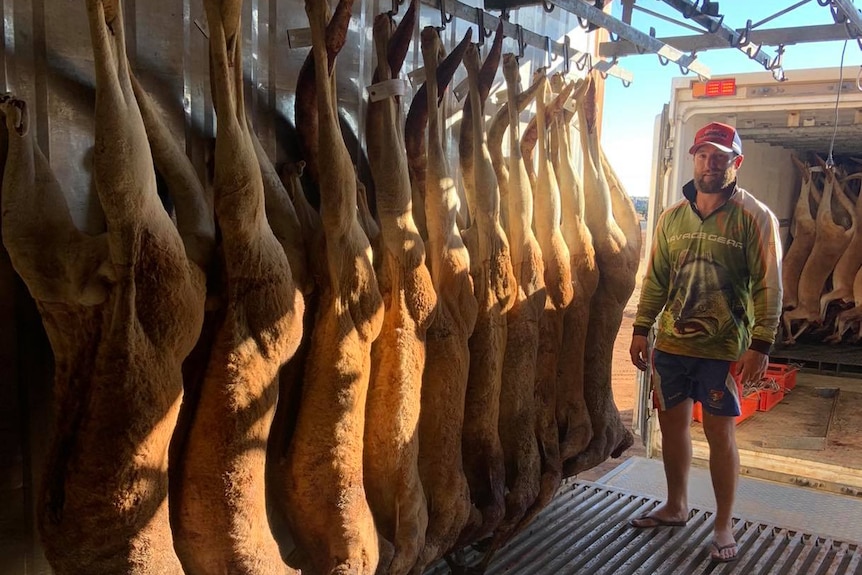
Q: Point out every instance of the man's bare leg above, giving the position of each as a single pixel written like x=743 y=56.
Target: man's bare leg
x=676 y=455
x=724 y=469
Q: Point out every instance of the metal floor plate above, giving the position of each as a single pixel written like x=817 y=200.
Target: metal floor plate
x=792 y=506
x=585 y=531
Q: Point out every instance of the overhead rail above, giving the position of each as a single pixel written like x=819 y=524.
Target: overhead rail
x=644 y=42
x=766 y=37
x=524 y=37
x=714 y=24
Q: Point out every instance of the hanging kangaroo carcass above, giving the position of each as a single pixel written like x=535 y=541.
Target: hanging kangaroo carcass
x=831 y=240
x=559 y=296
x=121 y=310
x=572 y=416
x=447 y=360
x=398 y=355
x=494 y=285
x=330 y=516
x=850 y=318
x=517 y=424
x=221 y=521
x=296 y=227
x=803 y=231
x=616 y=238
x=850 y=261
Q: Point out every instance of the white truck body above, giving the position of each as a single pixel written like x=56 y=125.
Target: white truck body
x=803 y=115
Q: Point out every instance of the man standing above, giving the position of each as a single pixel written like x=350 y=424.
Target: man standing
x=714 y=282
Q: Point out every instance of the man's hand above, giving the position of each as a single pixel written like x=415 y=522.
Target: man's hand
x=752 y=366
x=639 y=351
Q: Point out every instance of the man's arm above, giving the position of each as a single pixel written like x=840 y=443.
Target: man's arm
x=653 y=296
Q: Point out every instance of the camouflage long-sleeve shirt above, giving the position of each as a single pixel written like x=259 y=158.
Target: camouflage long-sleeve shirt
x=714 y=283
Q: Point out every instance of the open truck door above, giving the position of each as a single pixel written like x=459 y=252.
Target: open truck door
x=662 y=147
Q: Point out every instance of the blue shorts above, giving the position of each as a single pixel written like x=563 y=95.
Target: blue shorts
x=676 y=378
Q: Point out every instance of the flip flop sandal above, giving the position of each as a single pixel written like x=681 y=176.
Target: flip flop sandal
x=719 y=549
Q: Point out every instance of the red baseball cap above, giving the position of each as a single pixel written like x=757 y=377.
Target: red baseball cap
x=722 y=136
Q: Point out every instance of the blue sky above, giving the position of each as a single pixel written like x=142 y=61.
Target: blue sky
x=629 y=113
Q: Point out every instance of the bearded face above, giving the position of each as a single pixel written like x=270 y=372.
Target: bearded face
x=714 y=170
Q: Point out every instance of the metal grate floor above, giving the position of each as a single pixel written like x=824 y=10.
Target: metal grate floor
x=584 y=531
x=827 y=514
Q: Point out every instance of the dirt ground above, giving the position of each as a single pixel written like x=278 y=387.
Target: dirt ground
x=624 y=382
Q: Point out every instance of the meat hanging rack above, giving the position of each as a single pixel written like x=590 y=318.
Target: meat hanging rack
x=455 y=8
x=643 y=42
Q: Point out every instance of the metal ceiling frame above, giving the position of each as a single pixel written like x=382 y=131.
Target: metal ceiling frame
x=765 y=37
x=525 y=37
x=714 y=24
x=847 y=26
x=682 y=50
x=644 y=42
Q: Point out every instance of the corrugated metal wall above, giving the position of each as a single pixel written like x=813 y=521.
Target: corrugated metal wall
x=47 y=59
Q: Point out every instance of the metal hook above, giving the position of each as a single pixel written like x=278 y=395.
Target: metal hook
x=584 y=61
x=552 y=57
x=778 y=74
x=583 y=23
x=613 y=37
x=566 y=56
x=776 y=62
x=611 y=64
x=663 y=60
x=626 y=83
x=824 y=3
x=716 y=26
x=444 y=17
x=743 y=36
x=684 y=68
x=395 y=5
x=548 y=6
x=639 y=48
x=753 y=54
x=837 y=14
x=520 y=32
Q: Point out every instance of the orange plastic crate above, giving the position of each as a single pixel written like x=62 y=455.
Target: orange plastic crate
x=769 y=398
x=696 y=412
x=748 y=407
